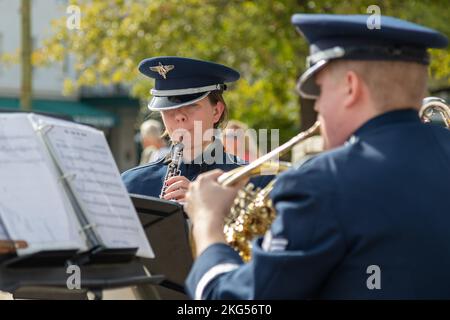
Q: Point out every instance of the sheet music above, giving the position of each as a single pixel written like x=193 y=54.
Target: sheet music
x=3 y=233
x=32 y=206
x=86 y=160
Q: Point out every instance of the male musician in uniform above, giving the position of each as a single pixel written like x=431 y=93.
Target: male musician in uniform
x=188 y=93
x=367 y=219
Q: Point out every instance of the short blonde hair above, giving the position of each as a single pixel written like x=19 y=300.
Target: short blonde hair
x=392 y=84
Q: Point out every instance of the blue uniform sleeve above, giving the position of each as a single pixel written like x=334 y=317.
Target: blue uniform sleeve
x=146 y=180
x=261 y=181
x=132 y=181
x=293 y=260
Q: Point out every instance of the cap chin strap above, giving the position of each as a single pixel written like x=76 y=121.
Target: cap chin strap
x=319 y=59
x=181 y=92
x=333 y=53
x=400 y=53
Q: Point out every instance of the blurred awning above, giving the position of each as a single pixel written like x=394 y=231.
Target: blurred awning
x=74 y=110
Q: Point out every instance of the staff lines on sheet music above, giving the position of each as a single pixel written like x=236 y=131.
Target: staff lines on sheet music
x=81 y=149
x=22 y=148
x=108 y=216
x=6 y=148
x=88 y=159
x=119 y=227
x=24 y=223
x=32 y=161
x=7 y=152
x=103 y=183
x=109 y=194
x=82 y=159
x=13 y=138
x=105 y=204
x=90 y=170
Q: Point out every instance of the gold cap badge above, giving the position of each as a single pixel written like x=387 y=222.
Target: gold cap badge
x=162 y=70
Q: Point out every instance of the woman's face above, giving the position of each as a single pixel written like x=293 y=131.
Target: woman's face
x=201 y=116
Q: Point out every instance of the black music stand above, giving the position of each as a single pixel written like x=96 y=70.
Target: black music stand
x=165 y=225
x=44 y=275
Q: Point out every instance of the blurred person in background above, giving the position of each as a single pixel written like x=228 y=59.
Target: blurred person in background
x=239 y=141
x=154 y=146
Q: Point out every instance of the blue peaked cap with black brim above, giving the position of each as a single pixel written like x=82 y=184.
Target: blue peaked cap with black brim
x=349 y=37
x=183 y=81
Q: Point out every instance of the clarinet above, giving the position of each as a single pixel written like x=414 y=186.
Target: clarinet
x=173 y=169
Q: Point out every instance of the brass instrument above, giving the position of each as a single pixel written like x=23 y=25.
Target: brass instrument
x=432 y=106
x=252 y=212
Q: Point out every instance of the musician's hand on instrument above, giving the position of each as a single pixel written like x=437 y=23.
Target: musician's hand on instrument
x=208 y=201
x=207 y=204
x=177 y=187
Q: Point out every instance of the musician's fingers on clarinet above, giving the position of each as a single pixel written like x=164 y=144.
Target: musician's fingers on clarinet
x=176 y=195
x=179 y=184
x=174 y=179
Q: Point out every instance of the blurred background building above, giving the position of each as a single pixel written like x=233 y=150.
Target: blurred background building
x=107 y=108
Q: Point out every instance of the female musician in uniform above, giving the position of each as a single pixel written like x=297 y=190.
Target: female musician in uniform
x=189 y=95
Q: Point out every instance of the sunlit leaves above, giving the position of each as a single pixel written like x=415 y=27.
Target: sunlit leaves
x=255 y=37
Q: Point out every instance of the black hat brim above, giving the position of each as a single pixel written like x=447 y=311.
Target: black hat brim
x=306 y=85
x=175 y=102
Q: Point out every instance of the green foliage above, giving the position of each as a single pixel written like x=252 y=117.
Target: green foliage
x=255 y=37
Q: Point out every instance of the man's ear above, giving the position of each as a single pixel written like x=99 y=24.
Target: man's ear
x=217 y=111
x=353 y=88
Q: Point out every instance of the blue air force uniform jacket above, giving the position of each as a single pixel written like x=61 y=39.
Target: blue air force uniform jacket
x=368 y=220
x=148 y=179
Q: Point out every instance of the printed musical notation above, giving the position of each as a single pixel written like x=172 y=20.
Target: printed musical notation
x=89 y=167
x=3 y=233
x=32 y=205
